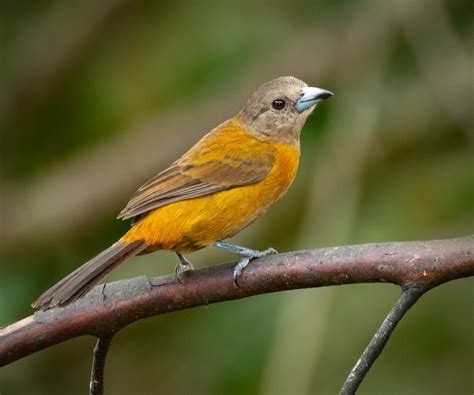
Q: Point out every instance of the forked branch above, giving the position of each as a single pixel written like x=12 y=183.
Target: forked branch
x=415 y=266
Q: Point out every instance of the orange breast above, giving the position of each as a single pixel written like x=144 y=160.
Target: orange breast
x=192 y=224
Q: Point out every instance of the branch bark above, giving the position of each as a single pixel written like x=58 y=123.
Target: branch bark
x=111 y=307
x=407 y=299
x=96 y=386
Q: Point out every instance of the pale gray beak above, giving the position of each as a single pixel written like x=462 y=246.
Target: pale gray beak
x=311 y=96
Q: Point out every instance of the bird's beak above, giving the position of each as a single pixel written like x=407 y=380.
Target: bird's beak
x=311 y=96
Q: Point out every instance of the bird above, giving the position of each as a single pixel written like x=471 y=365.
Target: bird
x=222 y=184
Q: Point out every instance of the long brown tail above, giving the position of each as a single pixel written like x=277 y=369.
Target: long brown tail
x=81 y=280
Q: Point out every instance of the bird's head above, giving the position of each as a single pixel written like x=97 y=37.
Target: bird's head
x=279 y=108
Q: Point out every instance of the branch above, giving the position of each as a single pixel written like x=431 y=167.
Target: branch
x=99 y=355
x=407 y=299
x=111 y=307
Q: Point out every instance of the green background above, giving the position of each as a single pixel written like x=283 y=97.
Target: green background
x=96 y=97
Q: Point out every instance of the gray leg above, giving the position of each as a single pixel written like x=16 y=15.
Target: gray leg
x=183 y=266
x=248 y=255
x=243 y=250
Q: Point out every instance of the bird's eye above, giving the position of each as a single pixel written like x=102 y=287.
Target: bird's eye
x=278 y=104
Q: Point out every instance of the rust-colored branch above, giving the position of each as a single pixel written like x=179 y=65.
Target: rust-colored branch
x=109 y=308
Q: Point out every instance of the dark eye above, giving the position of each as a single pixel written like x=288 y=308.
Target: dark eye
x=278 y=104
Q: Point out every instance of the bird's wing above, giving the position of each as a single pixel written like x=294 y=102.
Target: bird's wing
x=226 y=158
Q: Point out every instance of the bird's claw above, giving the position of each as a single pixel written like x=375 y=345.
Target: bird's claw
x=260 y=254
x=241 y=265
x=182 y=268
x=269 y=251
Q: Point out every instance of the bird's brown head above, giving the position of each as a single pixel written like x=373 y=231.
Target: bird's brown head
x=279 y=108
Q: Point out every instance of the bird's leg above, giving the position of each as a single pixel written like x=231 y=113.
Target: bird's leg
x=247 y=253
x=183 y=266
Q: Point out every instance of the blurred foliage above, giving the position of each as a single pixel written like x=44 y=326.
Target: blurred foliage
x=390 y=157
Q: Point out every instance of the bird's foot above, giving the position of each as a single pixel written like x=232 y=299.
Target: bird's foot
x=182 y=267
x=241 y=265
x=250 y=254
x=247 y=253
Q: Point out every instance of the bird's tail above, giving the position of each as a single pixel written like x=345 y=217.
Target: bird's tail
x=81 y=280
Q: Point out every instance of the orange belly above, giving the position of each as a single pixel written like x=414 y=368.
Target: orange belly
x=189 y=225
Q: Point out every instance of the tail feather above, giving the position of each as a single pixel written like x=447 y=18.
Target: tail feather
x=84 y=278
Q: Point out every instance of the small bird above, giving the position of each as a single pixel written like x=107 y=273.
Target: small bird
x=220 y=186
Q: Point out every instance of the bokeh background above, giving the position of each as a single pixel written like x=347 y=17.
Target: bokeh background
x=98 y=96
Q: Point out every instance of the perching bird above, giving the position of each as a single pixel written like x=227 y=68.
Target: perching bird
x=216 y=189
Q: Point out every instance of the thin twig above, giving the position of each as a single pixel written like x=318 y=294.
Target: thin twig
x=101 y=348
x=407 y=299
